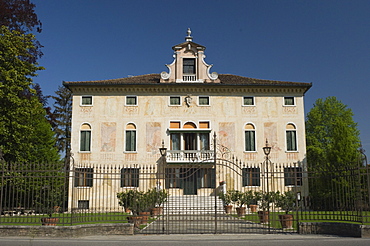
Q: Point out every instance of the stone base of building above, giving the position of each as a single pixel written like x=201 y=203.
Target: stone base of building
x=333 y=228
x=67 y=231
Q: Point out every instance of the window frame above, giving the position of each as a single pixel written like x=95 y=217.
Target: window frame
x=133 y=177
x=254 y=137
x=249 y=105
x=291 y=141
x=289 y=105
x=131 y=96
x=174 y=105
x=82 y=104
x=83 y=138
x=251 y=176
x=193 y=66
x=293 y=176
x=84 y=174
x=204 y=105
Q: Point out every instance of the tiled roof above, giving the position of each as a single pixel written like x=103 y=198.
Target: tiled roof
x=226 y=79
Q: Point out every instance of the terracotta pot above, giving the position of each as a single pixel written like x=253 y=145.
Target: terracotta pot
x=127 y=210
x=156 y=211
x=145 y=216
x=286 y=221
x=263 y=216
x=241 y=211
x=228 y=208
x=49 y=221
x=136 y=220
x=253 y=208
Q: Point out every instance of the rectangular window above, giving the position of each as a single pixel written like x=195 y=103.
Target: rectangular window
x=130 y=177
x=86 y=100
x=206 y=177
x=204 y=100
x=173 y=179
x=293 y=176
x=250 y=141
x=251 y=176
x=291 y=141
x=289 y=101
x=83 y=204
x=175 y=141
x=131 y=100
x=204 y=141
x=189 y=66
x=130 y=140
x=85 y=140
x=248 y=101
x=175 y=100
x=84 y=177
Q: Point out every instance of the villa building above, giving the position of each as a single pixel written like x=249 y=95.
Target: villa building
x=119 y=124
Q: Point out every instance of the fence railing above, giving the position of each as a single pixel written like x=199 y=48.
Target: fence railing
x=88 y=193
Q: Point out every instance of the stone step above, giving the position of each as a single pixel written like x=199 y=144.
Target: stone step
x=193 y=205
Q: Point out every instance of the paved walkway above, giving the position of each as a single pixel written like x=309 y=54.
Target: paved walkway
x=204 y=224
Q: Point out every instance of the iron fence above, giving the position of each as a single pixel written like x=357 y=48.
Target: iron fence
x=187 y=196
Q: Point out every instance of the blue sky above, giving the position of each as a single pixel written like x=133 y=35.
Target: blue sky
x=326 y=42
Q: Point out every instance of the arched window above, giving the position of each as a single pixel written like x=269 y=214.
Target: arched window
x=85 y=137
x=250 y=137
x=130 y=137
x=291 y=138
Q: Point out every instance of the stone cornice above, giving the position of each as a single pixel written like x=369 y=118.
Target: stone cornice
x=209 y=89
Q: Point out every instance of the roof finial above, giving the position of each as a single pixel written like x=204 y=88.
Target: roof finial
x=189 y=38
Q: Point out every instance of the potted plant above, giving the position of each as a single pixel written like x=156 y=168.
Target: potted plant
x=226 y=200
x=132 y=200
x=265 y=200
x=287 y=202
x=158 y=198
x=241 y=199
x=49 y=201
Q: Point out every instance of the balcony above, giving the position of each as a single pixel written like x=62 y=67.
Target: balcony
x=189 y=156
x=189 y=78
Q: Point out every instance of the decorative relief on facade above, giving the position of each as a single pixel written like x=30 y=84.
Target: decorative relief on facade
x=188 y=100
x=130 y=157
x=108 y=137
x=271 y=107
x=249 y=110
x=85 y=156
x=270 y=133
x=227 y=134
x=86 y=110
x=131 y=110
x=292 y=156
x=290 y=110
x=153 y=137
x=250 y=156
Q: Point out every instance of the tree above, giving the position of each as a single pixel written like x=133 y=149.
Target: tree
x=332 y=136
x=62 y=118
x=25 y=134
x=19 y=15
x=332 y=154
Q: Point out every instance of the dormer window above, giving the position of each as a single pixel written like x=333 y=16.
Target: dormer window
x=189 y=65
x=189 y=69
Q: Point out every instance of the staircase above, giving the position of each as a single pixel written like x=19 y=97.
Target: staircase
x=193 y=204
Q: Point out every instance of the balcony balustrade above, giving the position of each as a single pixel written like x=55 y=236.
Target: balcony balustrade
x=189 y=78
x=189 y=156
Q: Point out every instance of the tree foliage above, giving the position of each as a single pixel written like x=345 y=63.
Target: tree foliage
x=19 y=15
x=332 y=154
x=62 y=117
x=332 y=136
x=25 y=134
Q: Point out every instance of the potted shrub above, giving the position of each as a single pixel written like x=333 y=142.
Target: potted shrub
x=287 y=202
x=265 y=199
x=226 y=200
x=132 y=200
x=158 y=198
x=241 y=199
